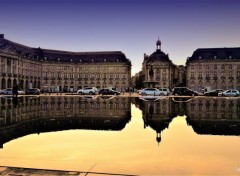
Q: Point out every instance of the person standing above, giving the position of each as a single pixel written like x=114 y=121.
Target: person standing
x=15 y=90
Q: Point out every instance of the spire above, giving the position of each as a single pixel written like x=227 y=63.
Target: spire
x=158 y=43
x=158 y=138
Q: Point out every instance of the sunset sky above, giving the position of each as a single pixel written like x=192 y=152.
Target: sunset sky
x=130 y=26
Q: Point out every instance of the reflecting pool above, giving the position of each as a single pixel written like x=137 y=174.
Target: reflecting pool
x=121 y=135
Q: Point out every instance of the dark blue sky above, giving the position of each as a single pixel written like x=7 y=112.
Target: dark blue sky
x=131 y=26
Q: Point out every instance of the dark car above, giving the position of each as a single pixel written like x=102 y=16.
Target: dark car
x=33 y=91
x=108 y=92
x=184 y=91
x=213 y=92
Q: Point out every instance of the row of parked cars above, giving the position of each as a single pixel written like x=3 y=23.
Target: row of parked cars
x=33 y=91
x=94 y=91
x=186 y=92
x=222 y=93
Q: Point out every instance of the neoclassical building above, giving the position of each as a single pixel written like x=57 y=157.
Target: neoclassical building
x=61 y=70
x=158 y=70
x=214 y=68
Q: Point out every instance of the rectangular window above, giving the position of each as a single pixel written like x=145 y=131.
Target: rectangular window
x=238 y=74
x=192 y=74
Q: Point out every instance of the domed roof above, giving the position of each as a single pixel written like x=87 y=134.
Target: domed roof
x=158 y=55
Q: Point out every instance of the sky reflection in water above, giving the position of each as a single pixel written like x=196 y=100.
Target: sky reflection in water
x=122 y=135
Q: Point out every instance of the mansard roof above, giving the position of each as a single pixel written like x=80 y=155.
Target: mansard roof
x=13 y=48
x=158 y=55
x=215 y=54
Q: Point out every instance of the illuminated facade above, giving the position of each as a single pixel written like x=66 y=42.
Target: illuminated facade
x=214 y=68
x=158 y=70
x=54 y=70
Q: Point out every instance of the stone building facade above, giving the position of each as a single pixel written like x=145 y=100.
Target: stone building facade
x=214 y=68
x=54 y=70
x=158 y=69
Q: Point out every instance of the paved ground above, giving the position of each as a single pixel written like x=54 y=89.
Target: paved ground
x=17 y=171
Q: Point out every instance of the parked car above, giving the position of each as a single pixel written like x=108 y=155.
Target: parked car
x=33 y=91
x=1 y=92
x=184 y=91
x=139 y=91
x=88 y=90
x=150 y=91
x=164 y=91
x=8 y=91
x=229 y=93
x=106 y=91
x=213 y=92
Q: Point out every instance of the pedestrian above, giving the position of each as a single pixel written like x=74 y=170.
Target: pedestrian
x=15 y=90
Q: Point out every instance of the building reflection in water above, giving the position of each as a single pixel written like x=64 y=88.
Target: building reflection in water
x=28 y=115
x=216 y=116
x=157 y=114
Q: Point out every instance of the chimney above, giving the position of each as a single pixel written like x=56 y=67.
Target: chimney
x=1 y=35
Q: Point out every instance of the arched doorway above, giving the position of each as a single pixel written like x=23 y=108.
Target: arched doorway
x=38 y=86
x=3 y=83
x=9 y=83
x=26 y=85
x=35 y=84
x=14 y=82
x=21 y=84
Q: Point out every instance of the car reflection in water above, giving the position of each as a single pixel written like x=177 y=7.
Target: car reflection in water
x=45 y=114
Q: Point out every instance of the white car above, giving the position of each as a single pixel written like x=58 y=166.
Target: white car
x=8 y=91
x=88 y=90
x=229 y=93
x=150 y=91
x=164 y=91
x=1 y=92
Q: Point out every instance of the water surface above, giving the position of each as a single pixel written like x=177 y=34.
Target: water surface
x=122 y=135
